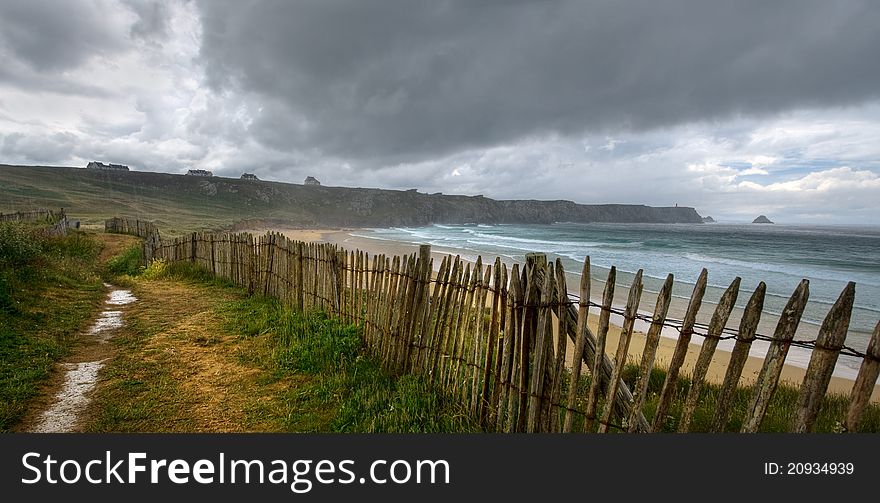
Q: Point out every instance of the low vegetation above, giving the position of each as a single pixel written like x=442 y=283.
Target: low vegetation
x=49 y=289
x=281 y=370
x=362 y=397
x=779 y=415
x=128 y=263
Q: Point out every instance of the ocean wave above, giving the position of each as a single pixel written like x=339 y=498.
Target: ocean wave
x=510 y=239
x=824 y=301
x=799 y=272
x=498 y=245
x=634 y=250
x=377 y=238
x=554 y=243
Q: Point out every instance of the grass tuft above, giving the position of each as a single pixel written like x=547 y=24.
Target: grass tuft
x=349 y=391
x=49 y=288
x=128 y=263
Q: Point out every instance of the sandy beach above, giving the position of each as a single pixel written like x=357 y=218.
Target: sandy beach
x=791 y=373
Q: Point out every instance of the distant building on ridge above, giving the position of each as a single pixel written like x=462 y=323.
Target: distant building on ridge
x=311 y=180
x=106 y=167
x=199 y=172
x=249 y=176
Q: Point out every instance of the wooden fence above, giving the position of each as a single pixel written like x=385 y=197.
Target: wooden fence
x=486 y=333
x=56 y=222
x=40 y=215
x=141 y=228
x=133 y=226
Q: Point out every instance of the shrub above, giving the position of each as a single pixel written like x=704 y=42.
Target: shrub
x=129 y=262
x=75 y=245
x=20 y=249
x=157 y=269
x=19 y=246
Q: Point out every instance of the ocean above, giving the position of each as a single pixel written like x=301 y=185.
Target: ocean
x=779 y=255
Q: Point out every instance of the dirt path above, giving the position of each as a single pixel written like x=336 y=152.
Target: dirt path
x=80 y=375
x=65 y=395
x=178 y=368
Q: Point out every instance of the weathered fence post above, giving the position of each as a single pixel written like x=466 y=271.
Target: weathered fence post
x=716 y=328
x=828 y=346
x=561 y=309
x=492 y=362
x=629 y=318
x=748 y=326
x=599 y=353
x=507 y=406
x=580 y=342
x=543 y=345
x=534 y=262
x=649 y=354
x=864 y=385
x=768 y=379
x=681 y=347
x=299 y=284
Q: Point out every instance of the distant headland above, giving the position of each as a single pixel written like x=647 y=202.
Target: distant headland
x=232 y=199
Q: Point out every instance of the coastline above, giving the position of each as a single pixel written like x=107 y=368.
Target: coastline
x=792 y=374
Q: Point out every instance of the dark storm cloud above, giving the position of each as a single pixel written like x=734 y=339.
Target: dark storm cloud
x=400 y=80
x=49 y=35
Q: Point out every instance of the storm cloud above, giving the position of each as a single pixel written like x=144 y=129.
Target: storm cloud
x=735 y=108
x=48 y=35
x=398 y=81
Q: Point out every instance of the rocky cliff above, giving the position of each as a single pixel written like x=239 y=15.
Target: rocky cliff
x=343 y=206
x=222 y=201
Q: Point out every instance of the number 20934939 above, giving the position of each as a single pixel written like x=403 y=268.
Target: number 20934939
x=813 y=468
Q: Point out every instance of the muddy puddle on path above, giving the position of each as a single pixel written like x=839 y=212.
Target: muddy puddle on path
x=80 y=378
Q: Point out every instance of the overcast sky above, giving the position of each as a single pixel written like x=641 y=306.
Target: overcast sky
x=735 y=108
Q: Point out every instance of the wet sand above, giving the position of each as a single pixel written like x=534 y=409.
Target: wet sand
x=793 y=374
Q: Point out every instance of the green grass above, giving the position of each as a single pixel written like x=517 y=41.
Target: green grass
x=779 y=415
x=348 y=391
x=184 y=271
x=49 y=288
x=143 y=394
x=128 y=263
x=312 y=374
x=351 y=393
x=176 y=203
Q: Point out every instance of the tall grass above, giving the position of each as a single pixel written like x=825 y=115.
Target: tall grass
x=360 y=395
x=346 y=390
x=48 y=289
x=127 y=263
x=19 y=251
x=780 y=413
x=183 y=271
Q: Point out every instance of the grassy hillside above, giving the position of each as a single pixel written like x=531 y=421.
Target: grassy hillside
x=50 y=288
x=180 y=203
x=176 y=202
